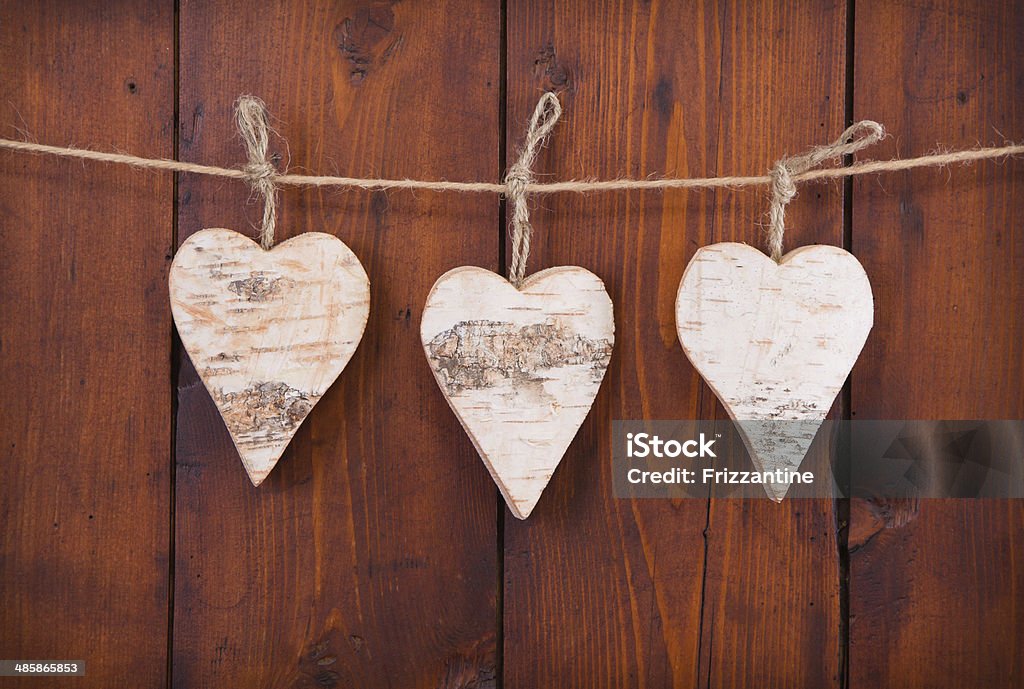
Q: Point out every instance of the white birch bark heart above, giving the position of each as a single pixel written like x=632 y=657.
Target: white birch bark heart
x=267 y=331
x=520 y=368
x=774 y=341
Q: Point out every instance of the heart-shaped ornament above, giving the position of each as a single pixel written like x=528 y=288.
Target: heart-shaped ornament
x=520 y=368
x=267 y=331
x=774 y=341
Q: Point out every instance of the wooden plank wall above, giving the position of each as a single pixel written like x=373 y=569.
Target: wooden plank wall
x=652 y=590
x=936 y=588
x=370 y=553
x=85 y=341
x=378 y=552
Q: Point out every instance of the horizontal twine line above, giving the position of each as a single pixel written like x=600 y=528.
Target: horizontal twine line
x=578 y=186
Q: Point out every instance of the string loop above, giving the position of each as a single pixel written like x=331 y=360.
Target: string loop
x=520 y=177
x=254 y=127
x=859 y=135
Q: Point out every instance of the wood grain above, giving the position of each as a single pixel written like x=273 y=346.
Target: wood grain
x=85 y=342
x=935 y=587
x=520 y=367
x=658 y=593
x=267 y=331
x=368 y=557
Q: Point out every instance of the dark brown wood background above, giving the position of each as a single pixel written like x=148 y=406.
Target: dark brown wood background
x=378 y=553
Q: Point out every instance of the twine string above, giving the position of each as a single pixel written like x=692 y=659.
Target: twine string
x=868 y=167
x=254 y=126
x=519 y=178
x=783 y=174
x=783 y=178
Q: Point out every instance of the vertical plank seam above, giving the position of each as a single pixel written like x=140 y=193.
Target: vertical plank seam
x=503 y=128
x=702 y=386
x=842 y=504
x=175 y=367
x=703 y=591
x=499 y=595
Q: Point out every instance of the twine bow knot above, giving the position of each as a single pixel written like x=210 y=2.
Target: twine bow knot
x=517 y=180
x=254 y=126
x=258 y=173
x=783 y=173
x=520 y=177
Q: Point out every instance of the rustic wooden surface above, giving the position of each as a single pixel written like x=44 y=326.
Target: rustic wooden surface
x=378 y=552
x=85 y=342
x=369 y=556
x=936 y=587
x=718 y=593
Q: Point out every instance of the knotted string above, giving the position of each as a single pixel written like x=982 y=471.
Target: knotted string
x=856 y=137
x=520 y=176
x=254 y=126
x=782 y=178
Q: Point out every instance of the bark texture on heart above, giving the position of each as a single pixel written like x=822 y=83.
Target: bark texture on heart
x=267 y=331
x=520 y=368
x=774 y=341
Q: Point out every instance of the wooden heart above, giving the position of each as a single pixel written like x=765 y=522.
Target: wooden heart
x=520 y=368
x=775 y=341
x=267 y=331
